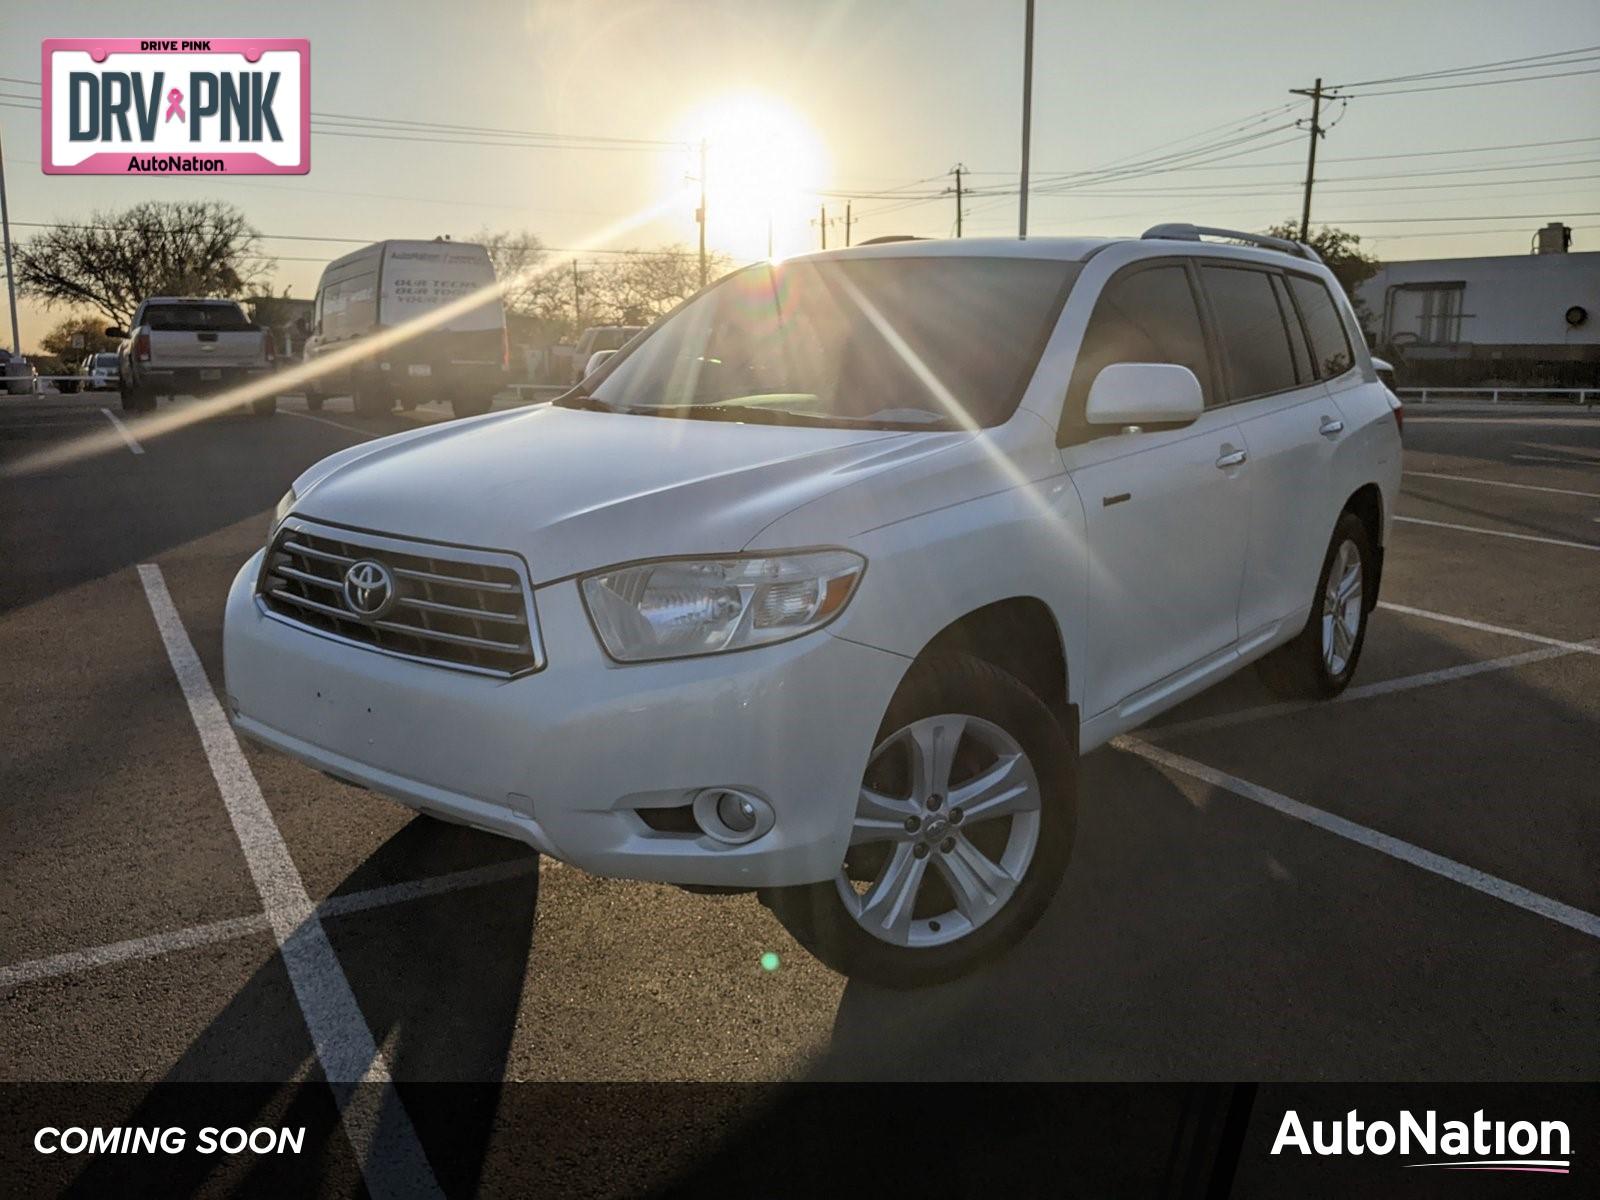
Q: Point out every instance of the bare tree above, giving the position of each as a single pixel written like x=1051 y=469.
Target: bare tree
x=637 y=287
x=115 y=259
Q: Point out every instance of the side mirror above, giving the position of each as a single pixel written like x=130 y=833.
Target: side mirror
x=1144 y=394
x=596 y=361
x=113 y=331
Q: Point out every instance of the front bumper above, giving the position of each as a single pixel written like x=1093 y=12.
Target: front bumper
x=564 y=758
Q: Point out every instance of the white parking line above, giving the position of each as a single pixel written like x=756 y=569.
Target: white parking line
x=1550 y=458
x=1521 y=537
x=366 y=433
x=380 y=1131
x=116 y=423
x=1484 y=627
x=1384 y=687
x=73 y=962
x=1427 y=860
x=1526 y=487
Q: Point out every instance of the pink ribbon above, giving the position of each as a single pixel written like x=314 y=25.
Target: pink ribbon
x=175 y=105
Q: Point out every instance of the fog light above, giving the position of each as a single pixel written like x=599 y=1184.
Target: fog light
x=732 y=816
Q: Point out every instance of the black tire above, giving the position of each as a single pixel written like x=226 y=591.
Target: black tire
x=471 y=406
x=1300 y=669
x=137 y=400
x=954 y=684
x=314 y=401
x=407 y=403
x=265 y=406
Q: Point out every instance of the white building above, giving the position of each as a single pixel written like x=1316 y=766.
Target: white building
x=1532 y=319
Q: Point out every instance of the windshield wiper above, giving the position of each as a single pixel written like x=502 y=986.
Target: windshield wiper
x=757 y=414
x=578 y=398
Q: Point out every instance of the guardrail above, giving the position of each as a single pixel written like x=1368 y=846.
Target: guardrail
x=1425 y=395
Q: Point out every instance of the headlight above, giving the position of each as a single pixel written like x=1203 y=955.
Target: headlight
x=676 y=608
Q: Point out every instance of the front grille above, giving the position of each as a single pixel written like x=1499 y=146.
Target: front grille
x=460 y=608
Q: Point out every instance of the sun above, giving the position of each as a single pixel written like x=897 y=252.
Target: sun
x=764 y=162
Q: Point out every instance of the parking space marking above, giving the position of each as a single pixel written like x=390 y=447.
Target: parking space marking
x=1521 y=537
x=74 y=962
x=377 y=1124
x=1384 y=687
x=1437 y=864
x=366 y=433
x=1549 y=458
x=1484 y=627
x=1526 y=487
x=116 y=423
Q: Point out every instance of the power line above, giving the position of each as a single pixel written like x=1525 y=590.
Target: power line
x=1450 y=87
x=1499 y=64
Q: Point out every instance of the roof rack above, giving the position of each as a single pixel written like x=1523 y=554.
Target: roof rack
x=891 y=237
x=1180 y=232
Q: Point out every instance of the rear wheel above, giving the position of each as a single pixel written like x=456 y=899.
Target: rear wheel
x=470 y=406
x=137 y=400
x=314 y=401
x=1321 y=660
x=963 y=828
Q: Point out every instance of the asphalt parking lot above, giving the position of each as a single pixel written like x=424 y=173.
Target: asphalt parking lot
x=1401 y=885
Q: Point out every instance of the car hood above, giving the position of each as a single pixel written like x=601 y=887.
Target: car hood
x=573 y=490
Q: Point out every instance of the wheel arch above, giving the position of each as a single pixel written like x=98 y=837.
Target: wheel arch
x=1019 y=635
x=1366 y=503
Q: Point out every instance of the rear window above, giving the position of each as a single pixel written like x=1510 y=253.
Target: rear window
x=1330 y=346
x=1251 y=329
x=177 y=317
x=105 y=360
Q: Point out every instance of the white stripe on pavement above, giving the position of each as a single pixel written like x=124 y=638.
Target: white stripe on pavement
x=1526 y=487
x=1550 y=458
x=73 y=962
x=116 y=423
x=385 y=1142
x=1484 y=627
x=1427 y=860
x=366 y=433
x=1384 y=687
x=1521 y=537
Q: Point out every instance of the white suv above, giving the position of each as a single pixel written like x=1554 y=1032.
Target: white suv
x=821 y=587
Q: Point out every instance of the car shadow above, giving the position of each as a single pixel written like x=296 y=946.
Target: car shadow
x=438 y=980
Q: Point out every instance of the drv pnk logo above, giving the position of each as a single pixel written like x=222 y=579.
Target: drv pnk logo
x=166 y=106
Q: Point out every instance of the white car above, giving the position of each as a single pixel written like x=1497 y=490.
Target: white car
x=821 y=587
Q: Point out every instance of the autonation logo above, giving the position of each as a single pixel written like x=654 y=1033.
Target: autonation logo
x=1476 y=1145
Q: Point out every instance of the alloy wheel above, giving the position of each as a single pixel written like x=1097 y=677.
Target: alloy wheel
x=1341 y=608
x=946 y=826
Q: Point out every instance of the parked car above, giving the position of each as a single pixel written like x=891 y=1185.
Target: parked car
x=99 y=371
x=17 y=375
x=409 y=322
x=821 y=587
x=193 y=346
x=595 y=339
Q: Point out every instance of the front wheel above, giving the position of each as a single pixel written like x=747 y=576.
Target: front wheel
x=1321 y=660
x=963 y=828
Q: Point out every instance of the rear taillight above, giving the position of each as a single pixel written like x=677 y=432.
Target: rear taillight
x=141 y=347
x=1399 y=416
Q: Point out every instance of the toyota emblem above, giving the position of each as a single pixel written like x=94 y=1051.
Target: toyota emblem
x=369 y=589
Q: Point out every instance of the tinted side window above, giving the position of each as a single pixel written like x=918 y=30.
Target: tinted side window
x=1148 y=316
x=1330 y=346
x=1251 y=330
x=1297 y=335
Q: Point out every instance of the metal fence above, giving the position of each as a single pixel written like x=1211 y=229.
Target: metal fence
x=1586 y=397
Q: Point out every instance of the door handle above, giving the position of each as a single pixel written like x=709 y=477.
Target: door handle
x=1331 y=427
x=1232 y=459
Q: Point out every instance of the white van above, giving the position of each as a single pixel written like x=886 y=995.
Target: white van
x=424 y=320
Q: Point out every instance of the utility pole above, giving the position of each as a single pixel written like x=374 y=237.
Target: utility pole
x=1311 y=158
x=577 y=312
x=700 y=213
x=1027 y=120
x=5 y=231
x=957 y=170
x=822 y=224
x=847 y=220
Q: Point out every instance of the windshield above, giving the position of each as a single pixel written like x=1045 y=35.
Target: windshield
x=907 y=342
x=105 y=360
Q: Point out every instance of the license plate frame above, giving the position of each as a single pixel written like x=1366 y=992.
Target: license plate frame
x=210 y=374
x=419 y=370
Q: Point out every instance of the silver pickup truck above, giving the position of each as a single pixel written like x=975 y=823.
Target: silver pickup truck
x=185 y=345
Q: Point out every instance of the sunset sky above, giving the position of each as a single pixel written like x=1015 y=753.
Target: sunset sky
x=802 y=98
